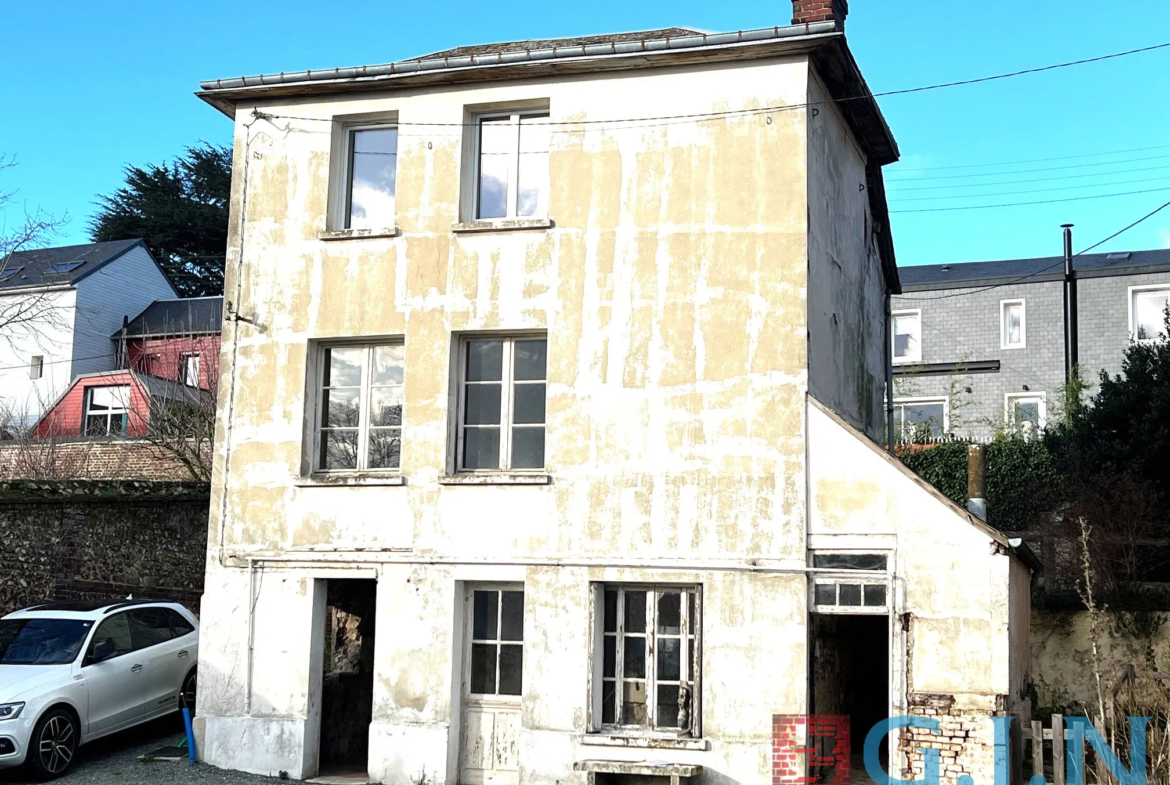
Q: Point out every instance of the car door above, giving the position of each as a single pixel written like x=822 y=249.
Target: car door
x=116 y=685
x=155 y=646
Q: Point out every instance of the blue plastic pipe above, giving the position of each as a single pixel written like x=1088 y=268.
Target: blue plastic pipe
x=190 y=735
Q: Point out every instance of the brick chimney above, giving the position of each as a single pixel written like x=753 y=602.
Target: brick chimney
x=806 y=11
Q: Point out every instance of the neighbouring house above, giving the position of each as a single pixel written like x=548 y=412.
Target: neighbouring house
x=58 y=307
x=980 y=346
x=553 y=386
x=168 y=355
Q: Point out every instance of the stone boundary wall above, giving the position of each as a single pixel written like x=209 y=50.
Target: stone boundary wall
x=81 y=540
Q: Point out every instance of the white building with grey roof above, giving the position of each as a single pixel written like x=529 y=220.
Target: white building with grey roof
x=980 y=346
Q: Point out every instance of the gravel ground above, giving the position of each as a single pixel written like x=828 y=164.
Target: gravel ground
x=113 y=760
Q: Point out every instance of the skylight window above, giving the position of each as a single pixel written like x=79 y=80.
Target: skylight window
x=1118 y=257
x=63 y=267
x=6 y=274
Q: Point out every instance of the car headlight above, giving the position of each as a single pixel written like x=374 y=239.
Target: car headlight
x=10 y=711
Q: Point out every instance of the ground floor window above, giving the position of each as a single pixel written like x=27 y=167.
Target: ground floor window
x=1026 y=412
x=920 y=419
x=649 y=652
x=853 y=586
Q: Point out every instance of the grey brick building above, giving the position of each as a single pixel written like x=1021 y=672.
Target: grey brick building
x=979 y=346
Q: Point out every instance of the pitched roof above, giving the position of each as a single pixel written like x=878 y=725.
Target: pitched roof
x=1047 y=268
x=65 y=265
x=537 y=44
x=181 y=316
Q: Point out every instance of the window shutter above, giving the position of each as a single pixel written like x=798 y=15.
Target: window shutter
x=597 y=656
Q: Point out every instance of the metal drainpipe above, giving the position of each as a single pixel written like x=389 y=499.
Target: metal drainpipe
x=1070 y=307
x=888 y=353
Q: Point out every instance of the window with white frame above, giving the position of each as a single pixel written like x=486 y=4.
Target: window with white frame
x=497 y=642
x=511 y=165
x=107 y=410
x=920 y=419
x=189 y=369
x=906 y=328
x=359 y=413
x=36 y=366
x=1025 y=411
x=650 y=649
x=1012 y=324
x=846 y=593
x=371 y=162
x=502 y=403
x=1147 y=310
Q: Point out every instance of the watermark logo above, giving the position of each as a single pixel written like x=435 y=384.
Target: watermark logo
x=815 y=749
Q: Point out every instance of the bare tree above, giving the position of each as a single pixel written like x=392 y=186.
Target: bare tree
x=27 y=314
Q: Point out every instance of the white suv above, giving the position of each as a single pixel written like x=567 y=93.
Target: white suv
x=73 y=672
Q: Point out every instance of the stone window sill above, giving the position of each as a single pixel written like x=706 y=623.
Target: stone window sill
x=642 y=742
x=358 y=234
x=349 y=480
x=496 y=478
x=502 y=225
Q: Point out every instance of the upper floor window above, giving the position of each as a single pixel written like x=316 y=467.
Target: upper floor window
x=189 y=369
x=107 y=410
x=359 y=416
x=511 y=165
x=501 y=403
x=36 y=366
x=907 y=336
x=371 y=155
x=1147 y=307
x=1011 y=324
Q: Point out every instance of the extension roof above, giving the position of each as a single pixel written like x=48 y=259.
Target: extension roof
x=930 y=277
x=823 y=42
x=62 y=266
x=182 y=316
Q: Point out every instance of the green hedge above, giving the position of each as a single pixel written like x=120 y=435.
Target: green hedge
x=1022 y=481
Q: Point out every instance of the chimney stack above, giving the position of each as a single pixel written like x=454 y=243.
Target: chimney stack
x=808 y=11
x=976 y=474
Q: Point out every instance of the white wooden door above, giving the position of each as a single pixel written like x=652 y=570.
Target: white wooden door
x=493 y=666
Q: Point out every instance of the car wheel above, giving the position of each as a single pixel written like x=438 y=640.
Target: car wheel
x=187 y=694
x=53 y=746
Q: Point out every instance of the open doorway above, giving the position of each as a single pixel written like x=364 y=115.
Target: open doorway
x=851 y=677
x=347 y=678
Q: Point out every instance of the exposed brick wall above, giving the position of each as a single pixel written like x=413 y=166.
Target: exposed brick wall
x=965 y=742
x=818 y=744
x=79 y=540
x=87 y=459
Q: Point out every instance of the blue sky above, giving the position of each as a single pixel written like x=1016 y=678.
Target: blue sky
x=90 y=87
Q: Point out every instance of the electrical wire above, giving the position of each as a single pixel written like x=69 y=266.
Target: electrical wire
x=1159 y=179
x=1027 y=171
x=1035 y=160
x=1030 y=180
x=1026 y=204
x=1083 y=251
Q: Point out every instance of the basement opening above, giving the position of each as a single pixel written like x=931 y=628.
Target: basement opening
x=347 y=678
x=851 y=678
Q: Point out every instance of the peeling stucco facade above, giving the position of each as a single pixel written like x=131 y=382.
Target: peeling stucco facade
x=697 y=281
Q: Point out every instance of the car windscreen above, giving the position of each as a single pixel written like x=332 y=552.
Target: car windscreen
x=41 y=641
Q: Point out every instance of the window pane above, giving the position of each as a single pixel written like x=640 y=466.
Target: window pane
x=482 y=405
x=634 y=704
x=531 y=360
x=668 y=706
x=534 y=133
x=1026 y=411
x=691 y=612
x=511 y=669
x=875 y=594
x=825 y=594
x=670 y=613
x=484 y=613
x=117 y=423
x=528 y=404
x=96 y=425
x=342 y=407
x=339 y=449
x=485 y=361
x=609 y=656
x=1013 y=324
x=481 y=448
x=512 y=616
x=385 y=449
x=386 y=406
x=528 y=448
x=483 y=668
x=532 y=185
x=929 y=416
x=635 y=611
x=493 y=186
x=669 y=659
x=1148 y=314
x=116 y=629
x=610 y=610
x=150 y=627
x=371 y=199
x=343 y=366
x=850 y=561
x=497 y=136
x=634 y=657
x=180 y=625
x=386 y=365
x=608 y=702
x=850 y=594
x=906 y=336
